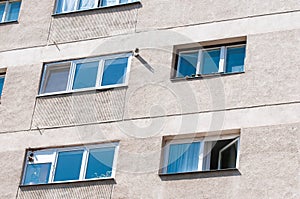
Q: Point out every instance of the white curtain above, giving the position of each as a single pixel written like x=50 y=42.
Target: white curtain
x=86 y=4
x=183 y=157
x=66 y=6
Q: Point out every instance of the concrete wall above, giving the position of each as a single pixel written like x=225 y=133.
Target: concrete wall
x=263 y=102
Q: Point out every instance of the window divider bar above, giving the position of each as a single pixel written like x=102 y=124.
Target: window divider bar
x=100 y=73
x=222 y=60
x=83 y=164
x=4 y=17
x=201 y=157
x=198 y=69
x=71 y=76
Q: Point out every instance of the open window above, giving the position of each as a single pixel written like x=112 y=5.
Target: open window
x=2 y=78
x=70 y=164
x=201 y=154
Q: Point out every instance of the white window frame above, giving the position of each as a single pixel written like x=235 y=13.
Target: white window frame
x=2 y=75
x=204 y=142
x=222 y=61
x=5 y=14
x=97 y=4
x=72 y=71
x=53 y=158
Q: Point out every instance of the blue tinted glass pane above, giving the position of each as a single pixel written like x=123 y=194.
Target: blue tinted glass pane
x=100 y=163
x=66 y=6
x=114 y=71
x=1 y=84
x=125 y=1
x=37 y=173
x=2 y=8
x=68 y=165
x=56 y=80
x=85 y=75
x=13 y=11
x=210 y=61
x=187 y=64
x=86 y=4
x=235 y=59
x=183 y=157
x=108 y=2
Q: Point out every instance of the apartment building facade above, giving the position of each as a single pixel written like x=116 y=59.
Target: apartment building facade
x=149 y=99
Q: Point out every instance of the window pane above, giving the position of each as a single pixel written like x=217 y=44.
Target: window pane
x=56 y=79
x=187 y=64
x=2 y=8
x=228 y=157
x=100 y=163
x=108 y=2
x=1 y=84
x=68 y=165
x=86 y=4
x=85 y=75
x=235 y=59
x=183 y=157
x=65 y=6
x=114 y=71
x=210 y=61
x=13 y=11
x=37 y=173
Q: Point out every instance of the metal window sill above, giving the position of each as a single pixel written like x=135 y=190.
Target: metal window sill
x=70 y=182
x=98 y=8
x=214 y=75
x=81 y=91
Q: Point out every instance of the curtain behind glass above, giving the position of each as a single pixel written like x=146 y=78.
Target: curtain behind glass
x=65 y=6
x=86 y=4
x=183 y=157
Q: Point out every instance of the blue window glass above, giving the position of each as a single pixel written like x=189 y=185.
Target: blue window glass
x=86 y=4
x=2 y=8
x=183 y=157
x=66 y=6
x=56 y=79
x=210 y=61
x=37 y=173
x=114 y=71
x=235 y=59
x=85 y=75
x=68 y=165
x=108 y=2
x=187 y=64
x=13 y=11
x=100 y=162
x=1 y=85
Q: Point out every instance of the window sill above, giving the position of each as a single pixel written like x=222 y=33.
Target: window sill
x=175 y=79
x=112 y=179
x=8 y=22
x=98 y=8
x=199 y=174
x=82 y=91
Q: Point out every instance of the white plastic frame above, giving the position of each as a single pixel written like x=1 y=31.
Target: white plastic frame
x=72 y=71
x=222 y=62
x=5 y=14
x=203 y=141
x=51 y=156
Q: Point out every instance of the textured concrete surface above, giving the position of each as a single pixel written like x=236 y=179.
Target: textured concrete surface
x=263 y=102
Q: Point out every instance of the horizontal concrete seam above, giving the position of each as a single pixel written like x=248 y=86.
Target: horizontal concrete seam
x=155 y=117
x=167 y=28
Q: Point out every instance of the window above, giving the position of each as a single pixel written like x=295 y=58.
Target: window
x=212 y=60
x=9 y=11
x=201 y=155
x=2 y=78
x=64 y=6
x=92 y=73
x=70 y=164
